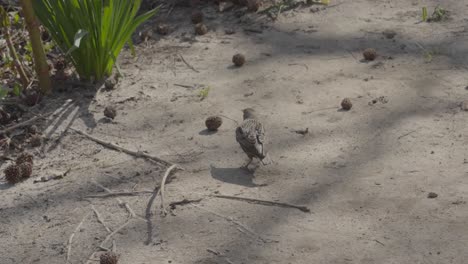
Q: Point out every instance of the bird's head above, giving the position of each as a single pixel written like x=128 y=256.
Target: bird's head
x=248 y=113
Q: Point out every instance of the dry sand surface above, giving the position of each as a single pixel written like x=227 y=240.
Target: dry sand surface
x=365 y=174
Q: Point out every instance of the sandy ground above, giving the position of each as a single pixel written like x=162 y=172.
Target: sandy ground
x=365 y=174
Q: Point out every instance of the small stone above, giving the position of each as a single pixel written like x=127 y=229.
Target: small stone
x=110 y=112
x=432 y=195
x=238 y=59
x=110 y=83
x=162 y=29
x=145 y=35
x=346 y=104
x=200 y=29
x=389 y=33
x=231 y=31
x=369 y=54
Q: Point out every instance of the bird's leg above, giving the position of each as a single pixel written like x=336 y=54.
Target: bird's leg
x=266 y=160
x=246 y=166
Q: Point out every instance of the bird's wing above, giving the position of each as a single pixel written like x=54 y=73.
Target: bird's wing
x=260 y=138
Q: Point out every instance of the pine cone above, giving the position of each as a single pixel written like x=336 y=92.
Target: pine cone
x=346 y=104
x=24 y=157
x=25 y=170
x=200 y=29
x=238 y=60
x=12 y=174
x=109 y=258
x=369 y=54
x=213 y=123
x=35 y=140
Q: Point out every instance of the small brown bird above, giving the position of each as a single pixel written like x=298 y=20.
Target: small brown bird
x=251 y=137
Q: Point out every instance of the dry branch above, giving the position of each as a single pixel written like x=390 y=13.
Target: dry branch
x=102 y=245
x=137 y=154
x=115 y=194
x=22 y=124
x=183 y=202
x=188 y=65
x=264 y=202
x=163 y=183
x=100 y=220
x=243 y=228
x=129 y=209
x=70 y=239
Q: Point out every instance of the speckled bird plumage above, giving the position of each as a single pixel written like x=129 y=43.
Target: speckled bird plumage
x=251 y=136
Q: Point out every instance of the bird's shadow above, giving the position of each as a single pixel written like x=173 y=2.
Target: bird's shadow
x=206 y=132
x=239 y=176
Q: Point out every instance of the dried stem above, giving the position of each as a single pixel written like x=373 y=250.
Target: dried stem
x=70 y=239
x=163 y=183
x=263 y=202
x=118 y=148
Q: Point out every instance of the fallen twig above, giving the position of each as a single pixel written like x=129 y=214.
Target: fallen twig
x=188 y=65
x=70 y=239
x=129 y=209
x=406 y=134
x=53 y=177
x=378 y=242
x=253 y=30
x=264 y=202
x=237 y=123
x=100 y=220
x=173 y=205
x=137 y=154
x=299 y=64
x=114 y=194
x=302 y=131
x=22 y=124
x=243 y=228
x=102 y=245
x=183 y=85
x=163 y=182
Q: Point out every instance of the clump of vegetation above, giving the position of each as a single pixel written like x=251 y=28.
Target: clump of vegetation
x=204 y=93
x=439 y=14
x=91 y=33
x=25 y=60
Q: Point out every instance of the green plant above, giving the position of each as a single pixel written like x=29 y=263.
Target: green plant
x=91 y=32
x=5 y=25
x=40 y=61
x=204 y=93
x=438 y=14
x=424 y=14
